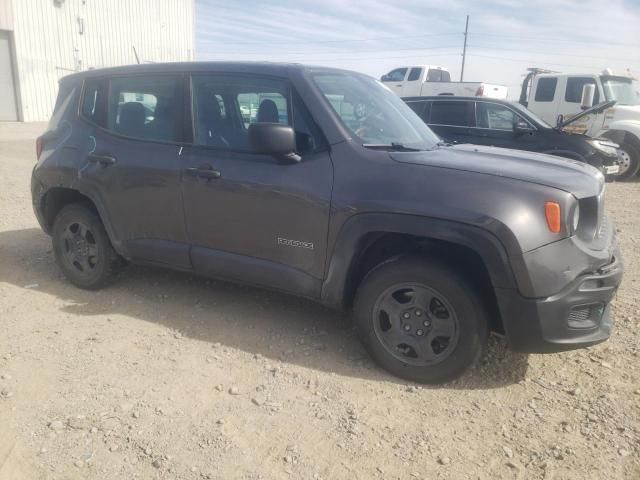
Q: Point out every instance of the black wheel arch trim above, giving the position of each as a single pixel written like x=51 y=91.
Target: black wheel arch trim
x=503 y=269
x=118 y=246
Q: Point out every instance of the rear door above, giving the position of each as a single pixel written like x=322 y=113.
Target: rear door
x=413 y=85
x=250 y=217
x=453 y=120
x=544 y=97
x=132 y=165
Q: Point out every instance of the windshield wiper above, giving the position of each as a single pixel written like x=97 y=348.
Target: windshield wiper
x=393 y=146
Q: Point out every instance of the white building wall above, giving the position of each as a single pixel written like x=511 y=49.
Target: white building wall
x=56 y=37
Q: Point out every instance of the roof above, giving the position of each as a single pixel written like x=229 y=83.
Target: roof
x=265 y=68
x=458 y=98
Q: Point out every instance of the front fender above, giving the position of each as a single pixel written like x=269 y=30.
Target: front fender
x=619 y=128
x=491 y=250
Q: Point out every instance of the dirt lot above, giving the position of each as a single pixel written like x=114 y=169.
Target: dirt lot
x=168 y=376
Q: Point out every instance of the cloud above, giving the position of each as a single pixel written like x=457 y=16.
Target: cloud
x=374 y=36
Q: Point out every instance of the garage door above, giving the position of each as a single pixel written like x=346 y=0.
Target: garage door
x=8 y=110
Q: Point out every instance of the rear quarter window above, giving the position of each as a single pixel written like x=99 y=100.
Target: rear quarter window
x=93 y=103
x=64 y=102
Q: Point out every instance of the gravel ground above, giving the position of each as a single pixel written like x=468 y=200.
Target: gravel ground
x=164 y=375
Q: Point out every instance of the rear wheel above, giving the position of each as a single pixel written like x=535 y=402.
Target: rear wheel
x=82 y=248
x=629 y=160
x=420 y=320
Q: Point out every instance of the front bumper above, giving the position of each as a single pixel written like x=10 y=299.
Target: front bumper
x=578 y=316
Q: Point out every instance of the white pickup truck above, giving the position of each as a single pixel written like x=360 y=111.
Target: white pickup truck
x=430 y=80
x=557 y=97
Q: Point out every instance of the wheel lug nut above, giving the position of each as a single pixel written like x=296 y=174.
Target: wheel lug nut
x=407 y=328
x=406 y=315
x=425 y=323
x=419 y=333
x=418 y=313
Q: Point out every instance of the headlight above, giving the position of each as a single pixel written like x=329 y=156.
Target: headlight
x=576 y=218
x=603 y=146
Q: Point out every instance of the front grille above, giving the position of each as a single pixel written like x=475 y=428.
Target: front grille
x=585 y=316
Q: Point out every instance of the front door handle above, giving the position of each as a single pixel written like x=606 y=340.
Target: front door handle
x=102 y=160
x=207 y=173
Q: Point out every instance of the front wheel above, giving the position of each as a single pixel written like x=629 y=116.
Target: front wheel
x=420 y=320
x=629 y=161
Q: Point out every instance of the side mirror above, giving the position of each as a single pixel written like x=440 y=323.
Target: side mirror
x=384 y=78
x=520 y=127
x=588 y=92
x=274 y=139
x=559 y=120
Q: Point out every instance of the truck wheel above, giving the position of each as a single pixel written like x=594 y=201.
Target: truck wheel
x=82 y=248
x=420 y=320
x=629 y=159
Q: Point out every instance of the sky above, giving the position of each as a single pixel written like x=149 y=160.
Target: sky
x=374 y=36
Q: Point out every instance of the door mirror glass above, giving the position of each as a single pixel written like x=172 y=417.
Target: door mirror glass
x=559 y=120
x=384 y=78
x=274 y=139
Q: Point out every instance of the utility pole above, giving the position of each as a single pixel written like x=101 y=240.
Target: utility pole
x=464 y=48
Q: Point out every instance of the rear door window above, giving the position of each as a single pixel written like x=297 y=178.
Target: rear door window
x=546 y=89
x=146 y=107
x=414 y=74
x=452 y=113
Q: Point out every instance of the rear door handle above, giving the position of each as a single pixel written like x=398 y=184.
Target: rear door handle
x=102 y=160
x=207 y=173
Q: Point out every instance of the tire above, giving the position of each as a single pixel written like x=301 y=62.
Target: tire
x=420 y=320
x=82 y=248
x=630 y=162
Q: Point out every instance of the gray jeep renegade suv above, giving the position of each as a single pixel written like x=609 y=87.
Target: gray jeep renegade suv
x=322 y=183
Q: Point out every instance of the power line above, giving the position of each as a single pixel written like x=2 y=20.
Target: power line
x=550 y=40
x=337 y=41
x=343 y=51
x=488 y=47
x=363 y=58
x=508 y=59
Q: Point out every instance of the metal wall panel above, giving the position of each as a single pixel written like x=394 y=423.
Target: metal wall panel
x=6 y=15
x=8 y=108
x=57 y=37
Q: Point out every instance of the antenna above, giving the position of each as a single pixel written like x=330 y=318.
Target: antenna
x=136 y=54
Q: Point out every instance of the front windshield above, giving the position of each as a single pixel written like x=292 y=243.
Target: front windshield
x=621 y=90
x=374 y=114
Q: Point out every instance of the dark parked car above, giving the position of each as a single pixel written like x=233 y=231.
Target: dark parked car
x=500 y=123
x=336 y=191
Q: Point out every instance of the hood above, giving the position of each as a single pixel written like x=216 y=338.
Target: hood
x=624 y=112
x=578 y=178
x=601 y=107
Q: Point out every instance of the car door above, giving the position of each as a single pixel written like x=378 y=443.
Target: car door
x=249 y=216
x=498 y=125
x=452 y=119
x=413 y=85
x=132 y=169
x=395 y=80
